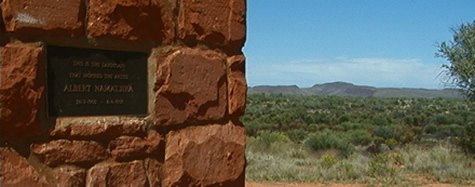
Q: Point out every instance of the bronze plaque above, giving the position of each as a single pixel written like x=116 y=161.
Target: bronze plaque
x=92 y=82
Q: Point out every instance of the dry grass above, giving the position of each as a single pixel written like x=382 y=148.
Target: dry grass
x=291 y=163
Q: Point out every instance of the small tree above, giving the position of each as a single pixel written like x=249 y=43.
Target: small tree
x=461 y=54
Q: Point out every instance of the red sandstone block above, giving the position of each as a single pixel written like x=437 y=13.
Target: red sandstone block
x=21 y=90
x=15 y=170
x=79 y=129
x=237 y=86
x=220 y=23
x=69 y=176
x=129 y=147
x=49 y=17
x=211 y=155
x=191 y=86
x=63 y=151
x=144 y=20
x=153 y=168
x=135 y=173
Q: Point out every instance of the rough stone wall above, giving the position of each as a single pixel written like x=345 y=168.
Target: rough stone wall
x=191 y=135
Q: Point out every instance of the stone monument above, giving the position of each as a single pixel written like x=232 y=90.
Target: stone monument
x=122 y=92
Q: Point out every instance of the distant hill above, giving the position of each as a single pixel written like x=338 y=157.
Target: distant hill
x=293 y=89
x=348 y=89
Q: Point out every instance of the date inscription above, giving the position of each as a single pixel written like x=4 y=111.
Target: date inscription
x=93 y=82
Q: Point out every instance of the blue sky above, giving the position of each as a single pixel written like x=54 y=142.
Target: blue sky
x=382 y=43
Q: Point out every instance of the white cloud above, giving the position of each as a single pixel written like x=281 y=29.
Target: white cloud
x=379 y=72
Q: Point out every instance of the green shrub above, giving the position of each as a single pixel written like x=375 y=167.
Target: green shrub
x=385 y=132
x=343 y=118
x=253 y=127
x=354 y=126
x=360 y=137
x=297 y=135
x=328 y=140
x=380 y=121
x=404 y=133
x=452 y=130
x=313 y=127
x=444 y=119
x=266 y=141
x=336 y=128
x=467 y=142
x=430 y=129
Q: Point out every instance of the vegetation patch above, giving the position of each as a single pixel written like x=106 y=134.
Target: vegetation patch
x=322 y=139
